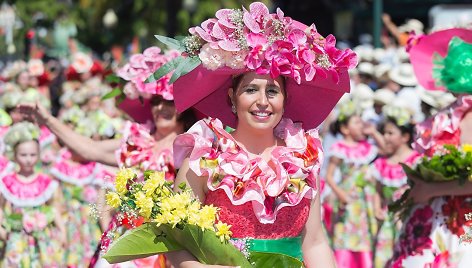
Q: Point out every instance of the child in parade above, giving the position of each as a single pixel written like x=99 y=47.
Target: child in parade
x=354 y=225
x=32 y=226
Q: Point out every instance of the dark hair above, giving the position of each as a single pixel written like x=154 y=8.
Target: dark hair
x=408 y=128
x=335 y=126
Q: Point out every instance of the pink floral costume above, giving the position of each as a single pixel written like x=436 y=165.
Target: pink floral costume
x=354 y=225
x=393 y=181
x=431 y=234
x=263 y=201
x=32 y=236
x=137 y=150
x=79 y=192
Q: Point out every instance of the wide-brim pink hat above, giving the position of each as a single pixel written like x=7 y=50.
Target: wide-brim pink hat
x=307 y=102
x=139 y=111
x=422 y=54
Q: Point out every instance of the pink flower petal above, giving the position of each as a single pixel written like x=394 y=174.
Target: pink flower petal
x=203 y=34
x=220 y=31
x=254 y=39
x=152 y=52
x=258 y=10
x=309 y=72
x=297 y=37
x=228 y=45
x=280 y=14
x=223 y=16
x=251 y=23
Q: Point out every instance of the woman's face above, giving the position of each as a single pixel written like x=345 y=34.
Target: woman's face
x=23 y=80
x=354 y=128
x=27 y=155
x=393 y=138
x=259 y=101
x=165 y=116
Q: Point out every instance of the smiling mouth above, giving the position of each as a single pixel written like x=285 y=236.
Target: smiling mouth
x=261 y=114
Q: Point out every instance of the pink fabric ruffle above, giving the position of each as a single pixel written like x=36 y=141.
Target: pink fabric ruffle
x=80 y=174
x=443 y=128
x=137 y=150
x=392 y=174
x=361 y=153
x=33 y=193
x=46 y=137
x=353 y=259
x=291 y=176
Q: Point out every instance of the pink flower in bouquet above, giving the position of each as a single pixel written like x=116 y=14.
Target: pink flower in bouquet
x=131 y=91
x=35 y=67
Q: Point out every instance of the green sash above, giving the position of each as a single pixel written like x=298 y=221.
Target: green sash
x=291 y=246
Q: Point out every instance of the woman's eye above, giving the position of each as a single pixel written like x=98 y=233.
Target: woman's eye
x=250 y=90
x=272 y=92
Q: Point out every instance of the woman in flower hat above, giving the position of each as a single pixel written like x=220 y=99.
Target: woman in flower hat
x=391 y=179
x=31 y=204
x=268 y=77
x=432 y=232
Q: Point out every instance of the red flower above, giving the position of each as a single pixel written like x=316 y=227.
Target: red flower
x=417 y=230
x=455 y=210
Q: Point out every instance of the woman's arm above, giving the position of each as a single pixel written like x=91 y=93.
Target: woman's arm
x=424 y=191
x=3 y=232
x=378 y=210
x=340 y=193
x=96 y=151
x=315 y=247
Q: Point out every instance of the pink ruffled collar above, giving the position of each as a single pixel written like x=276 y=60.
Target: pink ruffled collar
x=27 y=194
x=80 y=174
x=284 y=181
x=442 y=128
x=360 y=154
x=390 y=174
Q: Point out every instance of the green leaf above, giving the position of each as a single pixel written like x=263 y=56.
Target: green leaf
x=165 y=69
x=276 y=260
x=113 y=78
x=115 y=92
x=170 y=42
x=143 y=241
x=186 y=66
x=120 y=99
x=207 y=247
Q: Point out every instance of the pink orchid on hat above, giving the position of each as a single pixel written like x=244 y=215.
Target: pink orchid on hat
x=241 y=40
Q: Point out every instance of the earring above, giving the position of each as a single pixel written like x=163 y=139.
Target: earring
x=233 y=109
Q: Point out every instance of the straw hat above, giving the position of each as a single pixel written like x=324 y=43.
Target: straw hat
x=366 y=68
x=404 y=75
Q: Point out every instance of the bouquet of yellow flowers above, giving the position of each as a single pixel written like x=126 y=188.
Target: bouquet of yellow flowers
x=449 y=164
x=175 y=221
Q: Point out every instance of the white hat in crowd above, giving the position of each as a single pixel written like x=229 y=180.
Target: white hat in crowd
x=384 y=96
x=435 y=98
x=382 y=69
x=366 y=68
x=412 y=25
x=404 y=75
x=363 y=95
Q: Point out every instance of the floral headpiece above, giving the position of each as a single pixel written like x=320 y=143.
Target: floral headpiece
x=20 y=132
x=72 y=115
x=400 y=115
x=347 y=109
x=258 y=41
x=5 y=119
x=455 y=70
x=11 y=99
x=140 y=67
